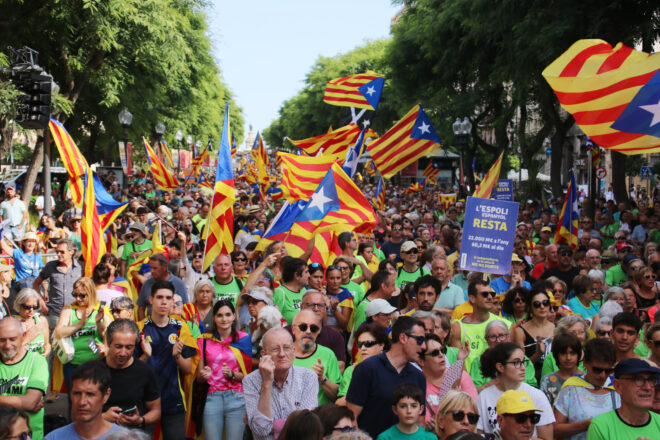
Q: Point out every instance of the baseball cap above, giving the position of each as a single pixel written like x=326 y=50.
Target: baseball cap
x=516 y=259
x=515 y=402
x=546 y=229
x=634 y=366
x=630 y=258
x=407 y=246
x=259 y=296
x=379 y=305
x=621 y=246
x=10 y=187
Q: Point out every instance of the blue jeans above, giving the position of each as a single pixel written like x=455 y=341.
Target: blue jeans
x=224 y=409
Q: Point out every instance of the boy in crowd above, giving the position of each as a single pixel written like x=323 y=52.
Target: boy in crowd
x=408 y=405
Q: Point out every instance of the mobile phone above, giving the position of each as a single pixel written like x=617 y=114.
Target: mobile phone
x=102 y=304
x=129 y=410
x=92 y=345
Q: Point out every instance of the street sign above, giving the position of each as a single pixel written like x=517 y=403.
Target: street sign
x=601 y=172
x=647 y=173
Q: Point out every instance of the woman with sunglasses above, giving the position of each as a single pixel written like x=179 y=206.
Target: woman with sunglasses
x=536 y=332
x=567 y=351
x=505 y=363
x=514 y=306
x=456 y=412
x=584 y=397
x=37 y=333
x=239 y=262
x=647 y=290
x=225 y=359
x=14 y=424
x=84 y=321
x=584 y=303
x=341 y=305
x=372 y=340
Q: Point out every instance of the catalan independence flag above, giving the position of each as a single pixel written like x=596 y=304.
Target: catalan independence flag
x=567 y=229
x=335 y=143
x=612 y=92
x=259 y=150
x=301 y=175
x=360 y=91
x=74 y=162
x=370 y=168
x=167 y=153
x=431 y=171
x=220 y=227
x=199 y=160
x=162 y=176
x=107 y=207
x=490 y=180
x=92 y=240
x=410 y=138
x=596 y=156
x=416 y=187
x=379 y=196
x=447 y=200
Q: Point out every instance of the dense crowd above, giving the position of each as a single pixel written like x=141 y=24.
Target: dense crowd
x=389 y=340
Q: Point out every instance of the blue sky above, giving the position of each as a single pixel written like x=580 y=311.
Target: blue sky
x=266 y=47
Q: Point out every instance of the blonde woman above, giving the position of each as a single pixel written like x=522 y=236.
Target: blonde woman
x=36 y=337
x=457 y=412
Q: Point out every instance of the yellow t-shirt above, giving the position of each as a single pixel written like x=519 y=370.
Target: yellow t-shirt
x=461 y=310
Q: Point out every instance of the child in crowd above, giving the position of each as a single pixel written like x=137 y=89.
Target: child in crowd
x=408 y=405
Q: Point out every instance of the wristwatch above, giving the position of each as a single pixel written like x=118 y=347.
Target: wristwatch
x=325 y=379
x=232 y=375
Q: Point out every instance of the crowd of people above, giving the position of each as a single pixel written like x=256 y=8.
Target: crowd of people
x=389 y=340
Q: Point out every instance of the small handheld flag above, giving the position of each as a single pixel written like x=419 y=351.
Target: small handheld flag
x=567 y=228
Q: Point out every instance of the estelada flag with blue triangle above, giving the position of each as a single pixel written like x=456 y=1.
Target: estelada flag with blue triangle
x=410 y=138
x=360 y=91
x=379 y=195
x=416 y=187
x=353 y=155
x=567 y=229
x=431 y=170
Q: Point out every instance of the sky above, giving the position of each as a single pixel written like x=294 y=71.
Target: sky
x=266 y=47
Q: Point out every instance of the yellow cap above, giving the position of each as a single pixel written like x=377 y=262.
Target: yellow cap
x=516 y=259
x=515 y=402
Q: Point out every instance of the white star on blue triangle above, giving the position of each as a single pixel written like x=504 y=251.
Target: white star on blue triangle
x=642 y=114
x=372 y=90
x=323 y=200
x=423 y=129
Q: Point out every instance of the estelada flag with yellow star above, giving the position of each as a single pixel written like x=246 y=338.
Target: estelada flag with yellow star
x=612 y=92
x=410 y=138
x=447 y=200
x=162 y=176
x=490 y=180
x=567 y=228
x=220 y=225
x=360 y=91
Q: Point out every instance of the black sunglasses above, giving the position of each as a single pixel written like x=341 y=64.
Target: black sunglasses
x=79 y=295
x=240 y=259
x=411 y=251
x=366 y=344
x=538 y=304
x=419 y=339
x=26 y=307
x=598 y=370
x=488 y=293
x=522 y=418
x=459 y=416
x=198 y=256
x=434 y=353
x=312 y=328
x=345 y=429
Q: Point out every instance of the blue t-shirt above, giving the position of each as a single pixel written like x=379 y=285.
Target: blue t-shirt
x=577 y=307
x=500 y=285
x=27 y=265
x=69 y=433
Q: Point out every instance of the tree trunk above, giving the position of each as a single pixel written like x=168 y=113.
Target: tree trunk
x=619 y=177
x=6 y=131
x=34 y=168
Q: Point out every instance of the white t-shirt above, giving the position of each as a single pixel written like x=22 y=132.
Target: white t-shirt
x=487 y=400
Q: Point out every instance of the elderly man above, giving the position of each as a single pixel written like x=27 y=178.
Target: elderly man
x=316 y=302
x=451 y=295
x=635 y=381
x=278 y=388
x=158 y=264
x=517 y=416
x=593 y=259
x=23 y=374
x=321 y=360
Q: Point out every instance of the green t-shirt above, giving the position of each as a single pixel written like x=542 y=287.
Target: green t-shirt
x=80 y=338
x=615 y=276
x=361 y=313
x=609 y=230
x=356 y=290
x=609 y=426
x=329 y=361
x=404 y=277
x=288 y=301
x=394 y=433
x=32 y=372
x=474 y=334
x=131 y=247
x=345 y=381
x=230 y=290
x=479 y=379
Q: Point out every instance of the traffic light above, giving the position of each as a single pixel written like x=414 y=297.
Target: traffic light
x=34 y=103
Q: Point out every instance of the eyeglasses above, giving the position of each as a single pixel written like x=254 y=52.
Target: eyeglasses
x=538 y=304
x=242 y=259
x=26 y=307
x=308 y=305
x=178 y=303
x=419 y=339
x=522 y=418
x=518 y=363
x=397 y=228
x=487 y=293
x=366 y=344
x=497 y=338
x=79 y=295
x=519 y=300
x=459 y=416
x=345 y=429
x=602 y=333
x=650 y=276
x=198 y=256
x=312 y=327
x=277 y=350
x=641 y=380
x=412 y=251
x=22 y=436
x=343 y=268
x=598 y=371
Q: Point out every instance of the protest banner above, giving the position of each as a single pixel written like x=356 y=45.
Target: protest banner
x=504 y=190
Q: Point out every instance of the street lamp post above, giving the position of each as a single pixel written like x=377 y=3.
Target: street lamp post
x=179 y=138
x=462 y=131
x=126 y=119
x=189 y=141
x=160 y=130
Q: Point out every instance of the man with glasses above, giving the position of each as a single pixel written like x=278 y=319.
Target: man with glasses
x=593 y=259
x=374 y=379
x=321 y=360
x=392 y=247
x=635 y=381
x=566 y=270
x=616 y=275
x=517 y=416
x=587 y=225
x=410 y=271
x=315 y=301
x=470 y=330
x=278 y=387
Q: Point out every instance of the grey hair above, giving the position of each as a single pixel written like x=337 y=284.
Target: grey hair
x=266 y=292
x=16 y=322
x=603 y=321
x=610 y=309
x=422 y=314
x=121 y=325
x=24 y=296
x=133 y=434
x=70 y=245
x=612 y=290
x=496 y=323
x=175 y=265
x=569 y=321
x=122 y=302
x=273 y=331
x=597 y=274
x=201 y=283
x=306 y=294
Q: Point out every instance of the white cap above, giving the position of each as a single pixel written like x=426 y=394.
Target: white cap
x=380 y=305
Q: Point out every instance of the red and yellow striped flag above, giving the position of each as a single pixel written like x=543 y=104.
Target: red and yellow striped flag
x=431 y=170
x=410 y=138
x=490 y=179
x=73 y=160
x=91 y=236
x=360 y=91
x=162 y=176
x=220 y=224
x=301 y=175
x=167 y=153
x=611 y=94
x=379 y=196
x=335 y=143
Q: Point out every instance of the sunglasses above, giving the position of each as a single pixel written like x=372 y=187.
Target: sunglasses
x=419 y=339
x=599 y=371
x=538 y=304
x=519 y=300
x=434 y=353
x=459 y=416
x=522 y=418
x=366 y=344
x=345 y=429
x=26 y=307
x=315 y=265
x=79 y=295
x=397 y=228
x=242 y=259
x=312 y=328
x=650 y=276
x=178 y=303
x=198 y=256
x=602 y=333
x=487 y=293
x=411 y=251
x=22 y=436
x=117 y=311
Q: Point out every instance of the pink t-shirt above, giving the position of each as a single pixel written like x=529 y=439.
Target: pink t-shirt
x=217 y=354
